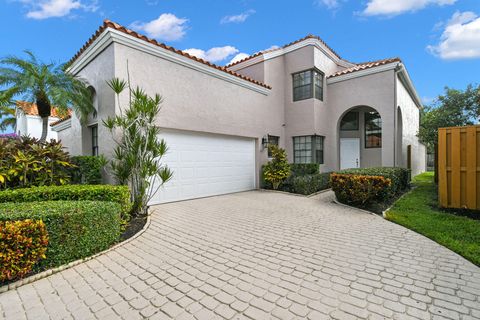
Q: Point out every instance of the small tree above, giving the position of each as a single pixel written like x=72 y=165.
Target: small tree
x=278 y=169
x=138 y=152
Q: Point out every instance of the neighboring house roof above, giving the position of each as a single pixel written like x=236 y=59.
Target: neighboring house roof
x=310 y=36
x=365 y=65
x=31 y=109
x=110 y=24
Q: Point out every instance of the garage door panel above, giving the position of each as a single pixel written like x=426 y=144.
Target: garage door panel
x=206 y=165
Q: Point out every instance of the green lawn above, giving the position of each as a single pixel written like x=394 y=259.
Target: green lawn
x=417 y=211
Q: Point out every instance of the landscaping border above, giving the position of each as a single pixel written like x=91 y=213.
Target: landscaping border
x=363 y=210
x=49 y=272
x=296 y=194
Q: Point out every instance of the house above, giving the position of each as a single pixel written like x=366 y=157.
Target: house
x=218 y=121
x=29 y=123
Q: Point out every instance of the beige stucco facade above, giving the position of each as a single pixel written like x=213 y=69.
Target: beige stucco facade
x=200 y=98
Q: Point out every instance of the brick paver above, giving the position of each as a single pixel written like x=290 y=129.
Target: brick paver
x=260 y=255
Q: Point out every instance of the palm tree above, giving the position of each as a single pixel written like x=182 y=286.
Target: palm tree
x=7 y=113
x=46 y=85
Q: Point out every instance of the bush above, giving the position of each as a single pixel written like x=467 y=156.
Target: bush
x=76 y=229
x=278 y=169
x=88 y=169
x=400 y=178
x=26 y=162
x=302 y=169
x=358 y=189
x=307 y=184
x=22 y=245
x=119 y=194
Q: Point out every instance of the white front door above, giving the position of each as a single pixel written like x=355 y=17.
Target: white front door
x=349 y=153
x=205 y=165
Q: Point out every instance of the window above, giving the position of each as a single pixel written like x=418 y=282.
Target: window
x=373 y=130
x=308 y=84
x=349 y=121
x=94 y=140
x=272 y=140
x=308 y=149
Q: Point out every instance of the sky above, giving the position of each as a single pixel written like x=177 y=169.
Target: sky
x=438 y=40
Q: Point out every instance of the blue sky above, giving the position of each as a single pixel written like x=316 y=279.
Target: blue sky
x=438 y=40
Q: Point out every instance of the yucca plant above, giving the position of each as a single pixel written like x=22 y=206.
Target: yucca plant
x=138 y=151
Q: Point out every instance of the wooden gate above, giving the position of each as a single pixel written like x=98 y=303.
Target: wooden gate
x=458 y=167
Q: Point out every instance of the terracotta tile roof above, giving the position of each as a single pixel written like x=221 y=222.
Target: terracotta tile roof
x=61 y=120
x=31 y=109
x=116 y=26
x=364 y=65
x=310 y=36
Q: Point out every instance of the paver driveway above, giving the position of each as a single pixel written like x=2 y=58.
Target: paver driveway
x=260 y=255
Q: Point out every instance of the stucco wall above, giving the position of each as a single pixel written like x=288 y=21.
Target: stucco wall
x=375 y=91
x=196 y=101
x=32 y=126
x=410 y=122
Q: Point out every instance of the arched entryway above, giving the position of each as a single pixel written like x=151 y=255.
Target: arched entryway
x=360 y=138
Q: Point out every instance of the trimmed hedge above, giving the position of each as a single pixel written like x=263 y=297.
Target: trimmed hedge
x=119 y=194
x=76 y=229
x=303 y=169
x=359 y=189
x=307 y=184
x=22 y=245
x=400 y=178
x=88 y=169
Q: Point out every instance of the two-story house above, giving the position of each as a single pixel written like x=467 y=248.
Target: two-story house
x=218 y=121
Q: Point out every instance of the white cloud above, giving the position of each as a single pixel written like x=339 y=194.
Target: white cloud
x=214 y=54
x=238 y=57
x=166 y=27
x=239 y=18
x=273 y=47
x=55 y=8
x=330 y=4
x=396 y=7
x=460 y=39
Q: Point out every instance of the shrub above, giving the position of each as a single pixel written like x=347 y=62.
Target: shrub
x=302 y=169
x=278 y=169
x=76 y=229
x=358 y=189
x=400 y=178
x=119 y=194
x=309 y=184
x=26 y=162
x=22 y=245
x=88 y=169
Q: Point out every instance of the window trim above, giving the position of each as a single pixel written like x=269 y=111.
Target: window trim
x=358 y=121
x=313 y=150
x=365 y=130
x=312 y=84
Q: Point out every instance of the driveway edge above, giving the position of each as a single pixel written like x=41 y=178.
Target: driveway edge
x=49 y=272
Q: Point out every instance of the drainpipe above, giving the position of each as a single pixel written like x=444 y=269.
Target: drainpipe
x=395 y=73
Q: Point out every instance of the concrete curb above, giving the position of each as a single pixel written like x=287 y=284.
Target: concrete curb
x=355 y=208
x=49 y=272
x=296 y=194
x=384 y=212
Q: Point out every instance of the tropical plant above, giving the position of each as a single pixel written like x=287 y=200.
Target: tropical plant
x=278 y=169
x=26 y=162
x=7 y=113
x=138 y=151
x=46 y=85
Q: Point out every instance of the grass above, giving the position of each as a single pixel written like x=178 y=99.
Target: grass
x=418 y=211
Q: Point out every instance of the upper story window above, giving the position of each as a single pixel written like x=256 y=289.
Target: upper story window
x=349 y=121
x=308 y=84
x=308 y=149
x=272 y=140
x=373 y=130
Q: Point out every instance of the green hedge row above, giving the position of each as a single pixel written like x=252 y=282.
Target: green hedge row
x=76 y=229
x=400 y=178
x=303 y=169
x=118 y=194
x=307 y=184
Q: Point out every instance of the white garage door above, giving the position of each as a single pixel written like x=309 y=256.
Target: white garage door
x=206 y=165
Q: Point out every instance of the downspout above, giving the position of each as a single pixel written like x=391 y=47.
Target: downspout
x=396 y=71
